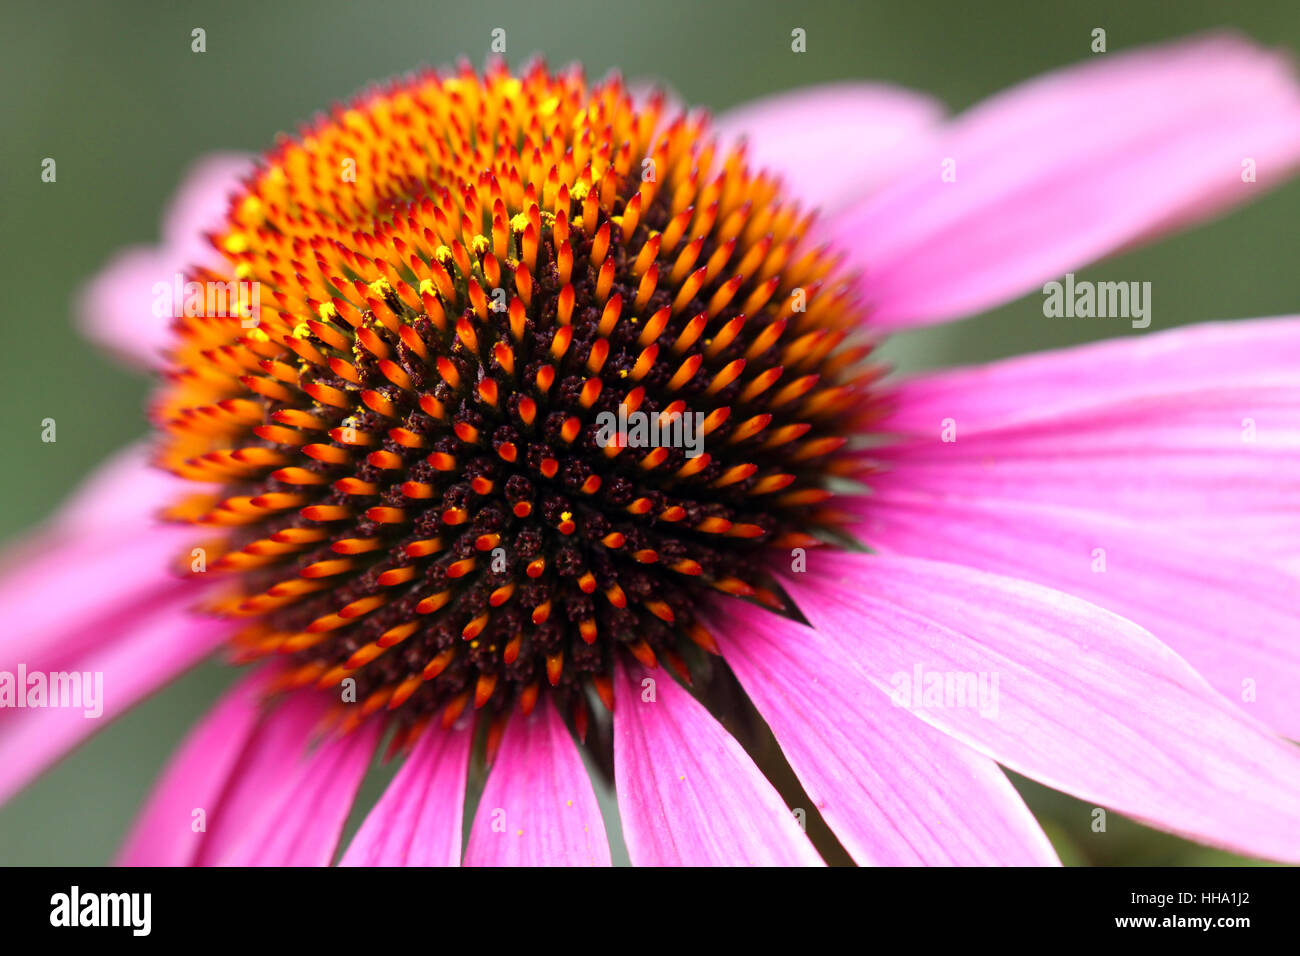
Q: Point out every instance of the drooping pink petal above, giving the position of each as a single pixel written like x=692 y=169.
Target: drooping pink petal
x=306 y=827
x=1195 y=461
x=538 y=807
x=1071 y=166
x=290 y=796
x=73 y=595
x=162 y=643
x=94 y=591
x=833 y=144
x=116 y=307
x=895 y=791
x=688 y=794
x=85 y=579
x=202 y=201
x=1230 y=614
x=1030 y=389
x=417 y=822
x=166 y=832
x=268 y=765
x=124 y=491
x=1087 y=702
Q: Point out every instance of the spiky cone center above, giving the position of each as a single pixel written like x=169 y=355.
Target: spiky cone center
x=464 y=279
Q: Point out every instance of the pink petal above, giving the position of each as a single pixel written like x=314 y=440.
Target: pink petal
x=417 y=822
x=68 y=585
x=291 y=794
x=164 y=833
x=896 y=791
x=74 y=596
x=307 y=825
x=124 y=491
x=1070 y=167
x=688 y=794
x=1231 y=615
x=1215 y=461
x=538 y=808
x=267 y=767
x=162 y=643
x=1087 y=702
x=833 y=144
x=116 y=306
x=202 y=201
x=94 y=591
x=1030 y=389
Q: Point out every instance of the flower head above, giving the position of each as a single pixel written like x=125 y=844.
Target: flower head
x=518 y=389
x=473 y=281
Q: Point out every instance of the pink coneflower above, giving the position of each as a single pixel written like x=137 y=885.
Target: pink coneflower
x=387 y=488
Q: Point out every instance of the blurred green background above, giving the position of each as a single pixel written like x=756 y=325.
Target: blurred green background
x=115 y=95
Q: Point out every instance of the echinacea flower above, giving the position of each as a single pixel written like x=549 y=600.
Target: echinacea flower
x=388 y=483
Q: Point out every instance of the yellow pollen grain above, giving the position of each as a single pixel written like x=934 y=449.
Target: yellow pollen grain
x=257 y=335
x=243 y=270
x=236 y=243
x=519 y=222
x=479 y=245
x=426 y=287
x=251 y=208
x=327 y=311
x=380 y=287
x=442 y=254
